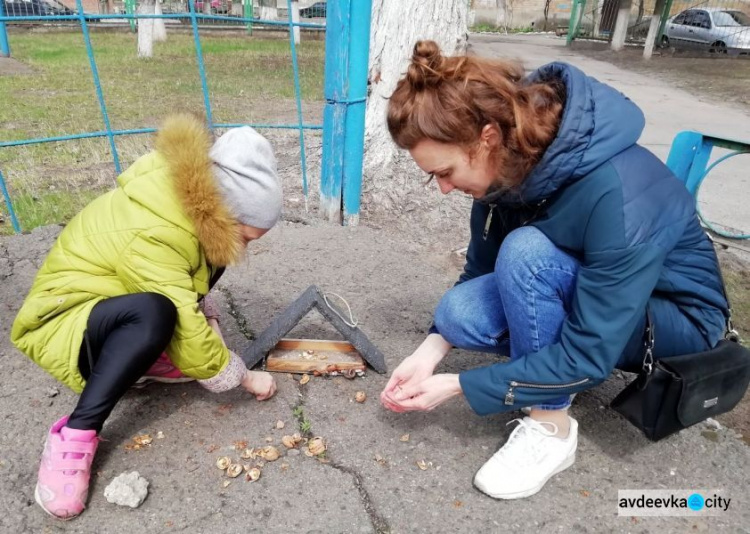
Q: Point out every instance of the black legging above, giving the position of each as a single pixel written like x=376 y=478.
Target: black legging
x=124 y=337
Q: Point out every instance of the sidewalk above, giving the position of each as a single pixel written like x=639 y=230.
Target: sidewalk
x=372 y=483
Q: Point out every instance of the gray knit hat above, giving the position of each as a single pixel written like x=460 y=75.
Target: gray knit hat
x=245 y=170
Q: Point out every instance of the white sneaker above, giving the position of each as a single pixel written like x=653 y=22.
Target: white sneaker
x=530 y=457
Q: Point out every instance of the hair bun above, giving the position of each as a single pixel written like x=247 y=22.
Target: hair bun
x=426 y=68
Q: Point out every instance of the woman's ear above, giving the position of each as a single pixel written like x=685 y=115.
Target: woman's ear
x=490 y=136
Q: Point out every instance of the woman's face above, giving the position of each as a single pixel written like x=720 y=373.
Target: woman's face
x=454 y=168
x=250 y=233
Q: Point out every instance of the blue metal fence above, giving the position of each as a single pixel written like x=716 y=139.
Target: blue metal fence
x=343 y=59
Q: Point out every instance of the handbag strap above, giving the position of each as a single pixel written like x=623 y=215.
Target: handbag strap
x=648 y=335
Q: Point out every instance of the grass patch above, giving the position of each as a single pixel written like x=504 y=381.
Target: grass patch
x=249 y=80
x=738 y=287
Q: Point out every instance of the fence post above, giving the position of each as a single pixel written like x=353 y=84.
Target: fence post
x=664 y=18
x=354 y=147
x=4 y=45
x=9 y=205
x=575 y=19
x=346 y=67
x=130 y=10
x=248 y=14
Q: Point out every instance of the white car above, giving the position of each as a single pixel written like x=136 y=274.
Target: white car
x=714 y=29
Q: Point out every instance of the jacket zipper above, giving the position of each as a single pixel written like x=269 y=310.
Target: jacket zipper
x=488 y=223
x=510 y=397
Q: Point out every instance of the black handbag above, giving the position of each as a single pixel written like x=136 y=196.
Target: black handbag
x=677 y=392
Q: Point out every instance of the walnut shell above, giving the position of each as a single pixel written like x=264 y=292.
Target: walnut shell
x=223 y=462
x=316 y=446
x=270 y=453
x=252 y=475
x=234 y=470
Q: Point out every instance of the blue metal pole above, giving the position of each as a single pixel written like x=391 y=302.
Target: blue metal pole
x=297 y=91
x=97 y=84
x=334 y=113
x=201 y=67
x=354 y=145
x=4 y=45
x=11 y=212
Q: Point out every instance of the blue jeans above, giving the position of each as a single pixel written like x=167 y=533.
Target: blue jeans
x=519 y=308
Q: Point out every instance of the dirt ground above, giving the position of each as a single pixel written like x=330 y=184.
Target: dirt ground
x=711 y=78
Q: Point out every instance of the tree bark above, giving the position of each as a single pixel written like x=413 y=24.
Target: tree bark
x=160 y=29
x=146 y=29
x=396 y=26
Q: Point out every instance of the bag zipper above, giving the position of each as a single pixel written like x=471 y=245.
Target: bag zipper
x=510 y=398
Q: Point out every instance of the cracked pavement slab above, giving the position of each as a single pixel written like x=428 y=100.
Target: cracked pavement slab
x=372 y=483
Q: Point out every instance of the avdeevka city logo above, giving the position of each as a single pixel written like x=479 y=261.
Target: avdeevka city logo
x=696 y=502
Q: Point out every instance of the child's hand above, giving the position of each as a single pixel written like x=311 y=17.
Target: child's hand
x=260 y=384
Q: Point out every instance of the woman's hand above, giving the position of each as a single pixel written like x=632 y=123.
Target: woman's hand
x=427 y=394
x=259 y=383
x=415 y=369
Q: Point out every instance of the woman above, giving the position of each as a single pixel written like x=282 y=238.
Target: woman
x=123 y=282
x=575 y=231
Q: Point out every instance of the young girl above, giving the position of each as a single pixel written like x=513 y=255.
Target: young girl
x=575 y=231
x=123 y=284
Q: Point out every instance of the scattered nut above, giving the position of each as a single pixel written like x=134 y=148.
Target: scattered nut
x=424 y=465
x=316 y=446
x=143 y=439
x=289 y=442
x=234 y=470
x=270 y=453
x=304 y=380
x=269 y=439
x=226 y=483
x=360 y=397
x=279 y=424
x=252 y=475
x=160 y=435
x=404 y=438
x=223 y=462
x=248 y=454
x=240 y=445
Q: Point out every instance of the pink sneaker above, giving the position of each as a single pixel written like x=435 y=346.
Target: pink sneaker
x=163 y=370
x=63 y=484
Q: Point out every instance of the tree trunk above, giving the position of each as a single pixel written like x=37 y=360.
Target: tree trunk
x=268 y=10
x=160 y=30
x=653 y=29
x=396 y=26
x=621 y=26
x=146 y=29
x=500 y=14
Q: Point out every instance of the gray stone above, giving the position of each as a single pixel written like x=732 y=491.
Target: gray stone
x=127 y=489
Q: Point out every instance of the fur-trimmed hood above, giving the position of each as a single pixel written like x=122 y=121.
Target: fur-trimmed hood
x=182 y=150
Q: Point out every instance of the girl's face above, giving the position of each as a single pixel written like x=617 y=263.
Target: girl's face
x=250 y=233
x=453 y=167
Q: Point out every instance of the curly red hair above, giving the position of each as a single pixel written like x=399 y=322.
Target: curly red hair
x=451 y=99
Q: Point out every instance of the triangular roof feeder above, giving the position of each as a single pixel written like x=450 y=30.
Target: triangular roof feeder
x=312 y=298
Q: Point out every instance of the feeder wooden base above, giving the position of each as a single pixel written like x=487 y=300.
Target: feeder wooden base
x=326 y=356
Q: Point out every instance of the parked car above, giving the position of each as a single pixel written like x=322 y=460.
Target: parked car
x=32 y=8
x=218 y=7
x=317 y=10
x=714 y=29
x=38 y=8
